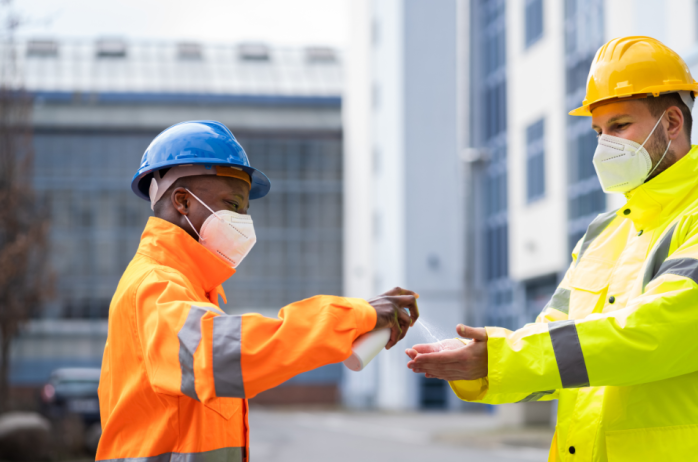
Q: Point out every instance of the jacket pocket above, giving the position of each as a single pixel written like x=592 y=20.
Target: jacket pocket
x=225 y=407
x=589 y=284
x=666 y=444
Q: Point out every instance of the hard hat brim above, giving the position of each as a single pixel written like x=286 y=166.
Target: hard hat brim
x=259 y=188
x=585 y=109
x=580 y=111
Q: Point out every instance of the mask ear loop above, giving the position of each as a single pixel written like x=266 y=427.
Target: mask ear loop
x=648 y=138
x=660 y=160
x=641 y=146
x=202 y=203
x=192 y=227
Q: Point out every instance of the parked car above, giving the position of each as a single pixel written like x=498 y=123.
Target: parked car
x=73 y=392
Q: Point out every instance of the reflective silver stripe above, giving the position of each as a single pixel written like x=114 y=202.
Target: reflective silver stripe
x=560 y=300
x=595 y=229
x=685 y=267
x=659 y=253
x=536 y=396
x=227 y=370
x=189 y=339
x=217 y=455
x=568 y=353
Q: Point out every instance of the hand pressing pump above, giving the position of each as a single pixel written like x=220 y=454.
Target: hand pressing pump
x=392 y=323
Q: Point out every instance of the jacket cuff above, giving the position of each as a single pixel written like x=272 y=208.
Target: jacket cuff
x=470 y=390
x=521 y=361
x=364 y=314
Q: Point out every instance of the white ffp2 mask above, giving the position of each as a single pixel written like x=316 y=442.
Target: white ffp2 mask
x=623 y=165
x=229 y=235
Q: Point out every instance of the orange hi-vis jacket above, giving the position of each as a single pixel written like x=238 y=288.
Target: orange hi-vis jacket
x=177 y=370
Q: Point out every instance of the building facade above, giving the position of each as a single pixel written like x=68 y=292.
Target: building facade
x=550 y=49
x=498 y=78
x=97 y=107
x=401 y=117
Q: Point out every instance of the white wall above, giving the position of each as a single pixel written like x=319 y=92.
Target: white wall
x=671 y=21
x=412 y=179
x=358 y=388
x=395 y=385
x=536 y=89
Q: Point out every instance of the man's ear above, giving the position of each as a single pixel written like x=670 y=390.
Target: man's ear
x=675 y=121
x=180 y=200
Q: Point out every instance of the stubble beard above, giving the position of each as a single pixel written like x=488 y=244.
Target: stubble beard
x=655 y=148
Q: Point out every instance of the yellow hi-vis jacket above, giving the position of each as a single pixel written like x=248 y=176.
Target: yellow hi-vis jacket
x=617 y=344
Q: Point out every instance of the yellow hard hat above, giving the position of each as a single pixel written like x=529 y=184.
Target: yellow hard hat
x=633 y=66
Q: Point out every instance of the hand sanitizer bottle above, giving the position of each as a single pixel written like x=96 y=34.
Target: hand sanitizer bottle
x=366 y=347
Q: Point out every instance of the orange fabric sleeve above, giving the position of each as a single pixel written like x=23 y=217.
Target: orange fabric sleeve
x=192 y=348
x=306 y=335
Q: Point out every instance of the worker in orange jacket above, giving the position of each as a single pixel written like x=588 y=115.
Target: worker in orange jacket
x=177 y=371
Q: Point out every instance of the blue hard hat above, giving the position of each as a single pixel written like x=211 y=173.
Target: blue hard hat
x=196 y=142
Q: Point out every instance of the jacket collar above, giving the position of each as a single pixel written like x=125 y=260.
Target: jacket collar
x=659 y=197
x=170 y=245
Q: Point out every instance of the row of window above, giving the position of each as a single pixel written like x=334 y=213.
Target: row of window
x=184 y=51
x=583 y=36
x=96 y=220
x=115 y=157
x=580 y=151
x=489 y=21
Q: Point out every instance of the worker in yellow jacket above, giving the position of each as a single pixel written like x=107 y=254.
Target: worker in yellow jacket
x=177 y=370
x=617 y=344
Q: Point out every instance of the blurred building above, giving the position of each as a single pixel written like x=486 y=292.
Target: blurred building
x=543 y=50
x=472 y=183
x=403 y=181
x=98 y=104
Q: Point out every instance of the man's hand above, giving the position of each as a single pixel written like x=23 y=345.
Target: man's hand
x=451 y=359
x=390 y=311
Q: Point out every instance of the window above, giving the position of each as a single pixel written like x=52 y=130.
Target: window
x=253 y=52
x=535 y=161
x=320 y=55
x=97 y=223
x=494 y=52
x=534 y=21
x=495 y=110
x=538 y=293
x=377 y=161
x=299 y=224
x=111 y=48
x=497 y=251
x=42 y=48
x=375 y=32
x=189 y=51
x=96 y=219
x=584 y=34
x=375 y=96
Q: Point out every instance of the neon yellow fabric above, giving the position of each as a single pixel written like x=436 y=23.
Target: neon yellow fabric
x=618 y=343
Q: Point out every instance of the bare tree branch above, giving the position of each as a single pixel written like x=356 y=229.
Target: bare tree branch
x=25 y=279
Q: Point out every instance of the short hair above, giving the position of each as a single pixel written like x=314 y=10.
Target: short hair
x=658 y=104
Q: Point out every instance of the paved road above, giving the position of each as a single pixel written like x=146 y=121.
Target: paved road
x=321 y=436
